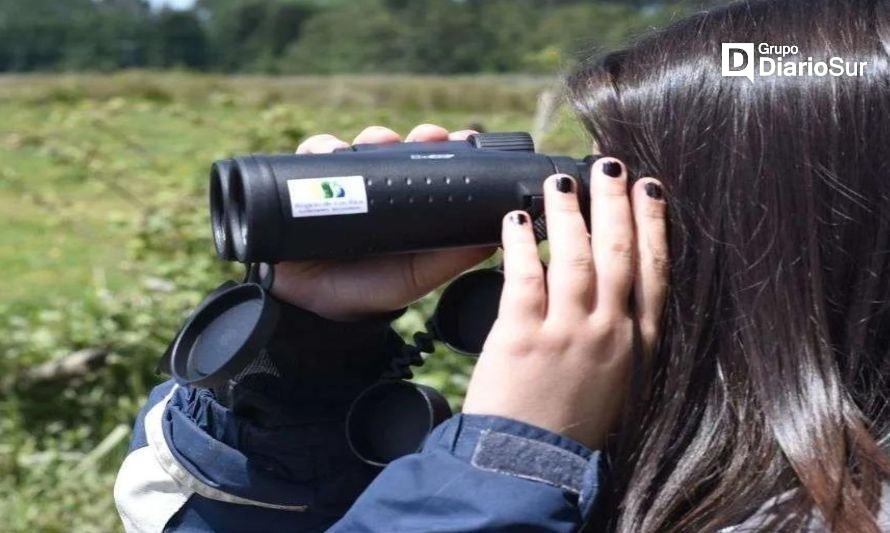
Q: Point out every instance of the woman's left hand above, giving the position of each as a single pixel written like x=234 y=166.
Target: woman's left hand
x=560 y=353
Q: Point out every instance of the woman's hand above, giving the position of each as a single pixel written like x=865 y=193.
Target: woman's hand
x=351 y=290
x=559 y=355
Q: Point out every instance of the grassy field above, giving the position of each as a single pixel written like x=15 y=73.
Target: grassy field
x=104 y=241
x=79 y=153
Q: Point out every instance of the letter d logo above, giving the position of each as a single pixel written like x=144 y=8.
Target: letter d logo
x=738 y=60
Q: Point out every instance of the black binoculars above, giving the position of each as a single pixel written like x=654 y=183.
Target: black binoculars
x=378 y=199
x=365 y=200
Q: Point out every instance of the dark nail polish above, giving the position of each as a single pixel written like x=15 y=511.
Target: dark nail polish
x=654 y=190
x=612 y=169
x=518 y=218
x=564 y=184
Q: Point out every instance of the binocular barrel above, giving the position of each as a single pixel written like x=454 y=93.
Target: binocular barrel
x=379 y=199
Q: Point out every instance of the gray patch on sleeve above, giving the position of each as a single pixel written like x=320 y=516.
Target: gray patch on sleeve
x=529 y=459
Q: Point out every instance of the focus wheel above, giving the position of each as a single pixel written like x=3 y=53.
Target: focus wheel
x=504 y=142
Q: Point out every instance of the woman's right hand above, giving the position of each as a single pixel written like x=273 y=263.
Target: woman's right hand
x=352 y=290
x=560 y=353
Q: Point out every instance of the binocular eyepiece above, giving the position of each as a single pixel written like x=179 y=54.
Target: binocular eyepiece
x=379 y=199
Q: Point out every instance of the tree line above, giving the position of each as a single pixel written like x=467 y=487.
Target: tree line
x=319 y=36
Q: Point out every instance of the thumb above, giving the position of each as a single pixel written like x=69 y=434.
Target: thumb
x=427 y=270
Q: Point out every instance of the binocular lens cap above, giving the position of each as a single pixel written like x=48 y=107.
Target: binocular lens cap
x=391 y=419
x=467 y=310
x=229 y=329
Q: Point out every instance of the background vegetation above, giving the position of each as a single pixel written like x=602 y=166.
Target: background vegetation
x=319 y=36
x=104 y=237
x=105 y=244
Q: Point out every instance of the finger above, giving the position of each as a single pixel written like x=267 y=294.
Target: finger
x=427 y=133
x=377 y=135
x=461 y=135
x=524 y=296
x=321 y=144
x=651 y=276
x=427 y=270
x=570 y=272
x=612 y=235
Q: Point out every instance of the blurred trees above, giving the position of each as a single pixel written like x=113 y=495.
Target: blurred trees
x=319 y=36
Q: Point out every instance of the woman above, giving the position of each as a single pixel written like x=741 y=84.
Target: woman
x=755 y=397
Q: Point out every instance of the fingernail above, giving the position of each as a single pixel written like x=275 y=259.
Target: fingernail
x=654 y=190
x=612 y=169
x=518 y=218
x=564 y=184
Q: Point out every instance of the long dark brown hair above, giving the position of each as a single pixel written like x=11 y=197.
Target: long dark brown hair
x=772 y=374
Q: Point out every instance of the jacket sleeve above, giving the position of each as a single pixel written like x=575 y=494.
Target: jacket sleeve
x=482 y=473
x=267 y=451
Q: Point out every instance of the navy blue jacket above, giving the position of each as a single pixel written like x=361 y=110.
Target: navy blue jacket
x=268 y=452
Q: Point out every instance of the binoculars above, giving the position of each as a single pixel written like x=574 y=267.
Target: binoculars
x=380 y=198
x=359 y=201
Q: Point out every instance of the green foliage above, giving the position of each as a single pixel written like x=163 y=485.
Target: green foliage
x=178 y=40
x=442 y=36
x=318 y=36
x=105 y=244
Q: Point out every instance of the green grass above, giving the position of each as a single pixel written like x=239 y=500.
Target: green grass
x=102 y=195
x=63 y=228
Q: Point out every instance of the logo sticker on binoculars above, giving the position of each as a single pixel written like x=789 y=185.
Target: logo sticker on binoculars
x=318 y=197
